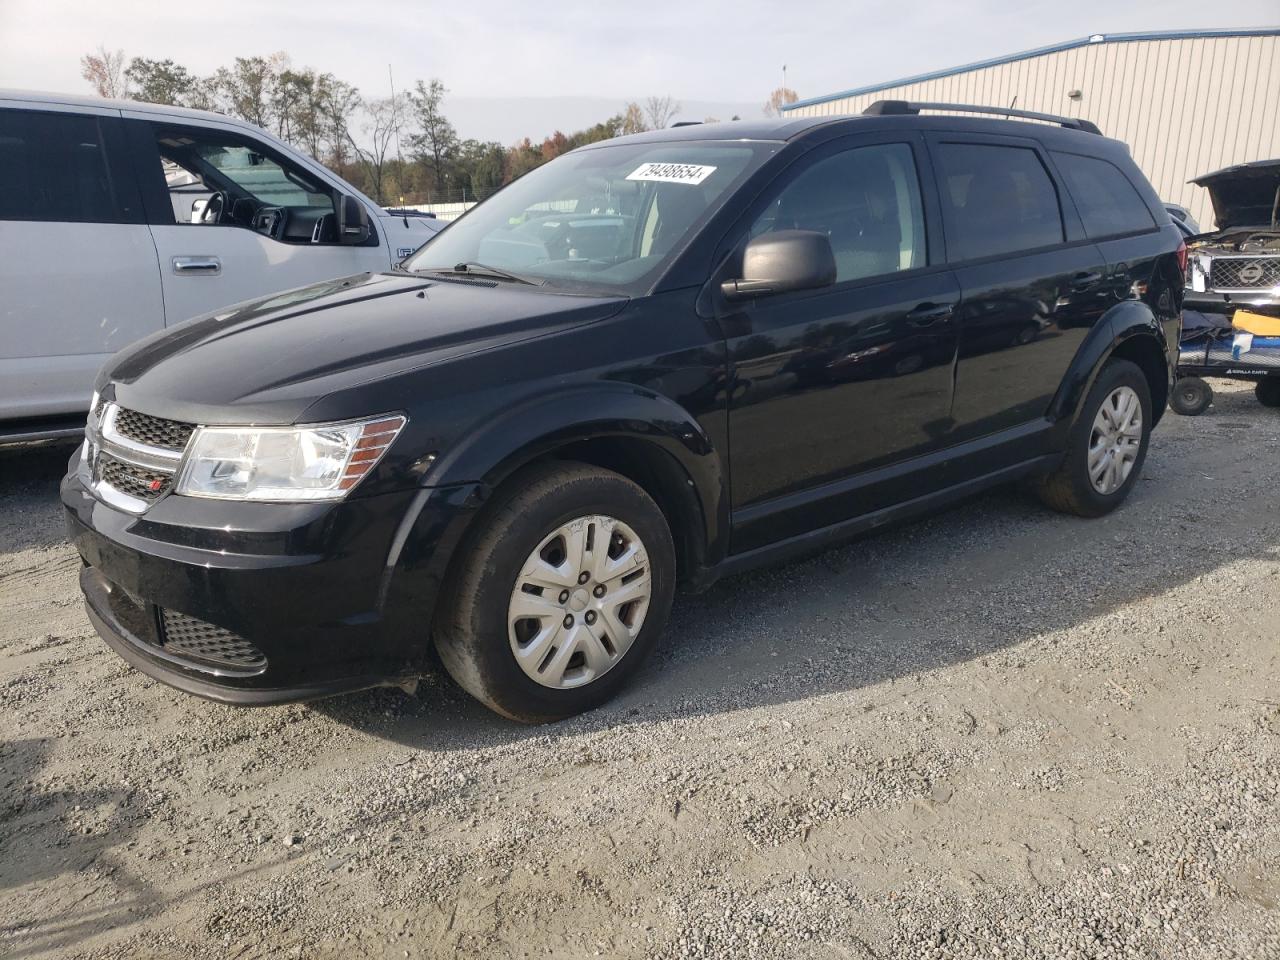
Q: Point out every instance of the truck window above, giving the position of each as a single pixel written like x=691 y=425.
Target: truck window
x=222 y=179
x=55 y=166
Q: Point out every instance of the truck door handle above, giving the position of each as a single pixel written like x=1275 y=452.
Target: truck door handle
x=930 y=313
x=1083 y=281
x=197 y=266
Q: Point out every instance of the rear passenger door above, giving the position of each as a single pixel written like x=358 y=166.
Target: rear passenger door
x=1032 y=285
x=78 y=269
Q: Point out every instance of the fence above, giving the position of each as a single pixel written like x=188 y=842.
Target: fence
x=443 y=211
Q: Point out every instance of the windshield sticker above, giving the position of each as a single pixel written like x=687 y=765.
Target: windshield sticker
x=690 y=173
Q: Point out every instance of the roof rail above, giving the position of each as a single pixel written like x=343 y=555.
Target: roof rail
x=888 y=108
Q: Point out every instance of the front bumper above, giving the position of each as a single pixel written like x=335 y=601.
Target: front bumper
x=335 y=596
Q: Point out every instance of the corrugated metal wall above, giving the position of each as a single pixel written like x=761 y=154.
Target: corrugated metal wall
x=1184 y=106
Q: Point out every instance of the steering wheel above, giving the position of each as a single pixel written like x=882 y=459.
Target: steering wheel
x=216 y=207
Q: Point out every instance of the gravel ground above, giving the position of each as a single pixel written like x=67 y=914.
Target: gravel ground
x=995 y=733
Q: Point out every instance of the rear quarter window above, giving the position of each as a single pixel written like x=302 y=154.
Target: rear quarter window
x=1108 y=202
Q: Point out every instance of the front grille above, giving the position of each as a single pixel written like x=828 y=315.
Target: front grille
x=152 y=431
x=186 y=636
x=137 y=482
x=1244 y=273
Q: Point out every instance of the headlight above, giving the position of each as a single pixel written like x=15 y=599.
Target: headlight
x=318 y=462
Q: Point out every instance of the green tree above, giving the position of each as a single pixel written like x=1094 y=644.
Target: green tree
x=160 y=81
x=481 y=167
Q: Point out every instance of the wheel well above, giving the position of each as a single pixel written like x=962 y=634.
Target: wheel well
x=1147 y=354
x=662 y=477
x=655 y=471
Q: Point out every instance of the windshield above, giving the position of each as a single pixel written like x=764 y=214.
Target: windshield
x=606 y=219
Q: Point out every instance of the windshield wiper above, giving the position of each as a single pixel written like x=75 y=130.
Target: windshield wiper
x=469 y=267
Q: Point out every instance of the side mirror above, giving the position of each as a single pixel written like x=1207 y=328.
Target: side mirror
x=783 y=261
x=353 y=220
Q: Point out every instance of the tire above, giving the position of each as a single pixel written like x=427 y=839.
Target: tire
x=566 y=670
x=1191 y=396
x=1070 y=488
x=1268 y=392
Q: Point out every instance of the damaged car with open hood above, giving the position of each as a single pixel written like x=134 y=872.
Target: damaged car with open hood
x=1231 y=318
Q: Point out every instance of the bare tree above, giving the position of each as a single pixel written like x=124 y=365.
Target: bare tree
x=779 y=99
x=660 y=111
x=384 y=119
x=633 y=119
x=435 y=141
x=105 y=71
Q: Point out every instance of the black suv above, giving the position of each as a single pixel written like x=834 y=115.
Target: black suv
x=653 y=361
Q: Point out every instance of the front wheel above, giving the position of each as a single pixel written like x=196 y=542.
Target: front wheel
x=1106 y=446
x=559 y=594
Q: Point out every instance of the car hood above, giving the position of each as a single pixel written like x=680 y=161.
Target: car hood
x=267 y=361
x=1243 y=195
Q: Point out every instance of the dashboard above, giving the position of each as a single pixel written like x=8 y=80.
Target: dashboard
x=296 y=224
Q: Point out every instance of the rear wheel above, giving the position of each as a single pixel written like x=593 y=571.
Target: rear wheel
x=1106 y=446
x=1191 y=396
x=1268 y=392
x=560 y=594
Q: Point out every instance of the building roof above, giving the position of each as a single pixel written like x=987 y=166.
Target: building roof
x=1090 y=40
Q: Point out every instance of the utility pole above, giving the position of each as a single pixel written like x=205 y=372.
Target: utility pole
x=784 y=74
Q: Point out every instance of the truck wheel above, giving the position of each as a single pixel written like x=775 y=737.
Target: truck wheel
x=1106 y=445
x=560 y=593
x=1191 y=396
x=1268 y=392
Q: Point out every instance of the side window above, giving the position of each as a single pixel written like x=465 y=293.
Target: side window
x=217 y=178
x=995 y=200
x=54 y=166
x=1108 y=202
x=866 y=200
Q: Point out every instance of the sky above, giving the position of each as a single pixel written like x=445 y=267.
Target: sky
x=524 y=68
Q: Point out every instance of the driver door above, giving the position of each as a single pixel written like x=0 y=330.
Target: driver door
x=206 y=265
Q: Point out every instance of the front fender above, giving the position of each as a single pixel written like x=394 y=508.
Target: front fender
x=1131 y=318
x=495 y=450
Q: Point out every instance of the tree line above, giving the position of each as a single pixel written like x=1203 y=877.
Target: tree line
x=401 y=148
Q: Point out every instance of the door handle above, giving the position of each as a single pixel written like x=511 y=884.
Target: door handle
x=1083 y=281
x=930 y=313
x=196 y=266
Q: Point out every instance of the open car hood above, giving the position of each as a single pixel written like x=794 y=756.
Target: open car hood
x=1243 y=195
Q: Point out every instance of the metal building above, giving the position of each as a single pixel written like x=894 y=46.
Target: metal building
x=1186 y=102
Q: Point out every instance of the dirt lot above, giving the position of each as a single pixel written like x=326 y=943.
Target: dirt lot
x=996 y=733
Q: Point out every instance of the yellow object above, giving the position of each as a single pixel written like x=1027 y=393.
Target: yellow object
x=1256 y=323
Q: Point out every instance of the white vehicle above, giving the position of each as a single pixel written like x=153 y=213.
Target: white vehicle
x=118 y=219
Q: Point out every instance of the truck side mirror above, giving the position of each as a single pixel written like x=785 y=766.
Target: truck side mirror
x=782 y=261
x=353 y=220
